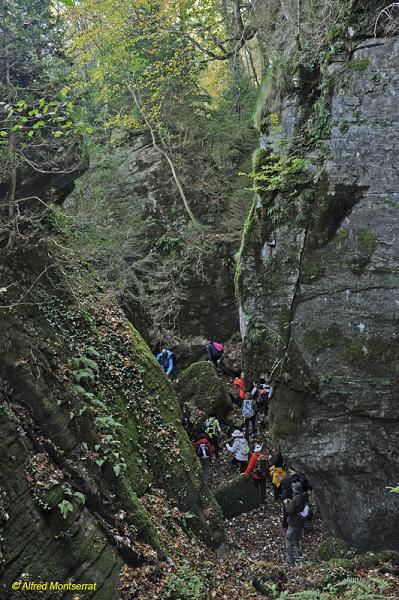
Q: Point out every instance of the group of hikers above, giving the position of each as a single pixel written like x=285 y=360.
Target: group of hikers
x=167 y=359
x=289 y=488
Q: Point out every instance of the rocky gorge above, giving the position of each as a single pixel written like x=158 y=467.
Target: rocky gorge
x=100 y=268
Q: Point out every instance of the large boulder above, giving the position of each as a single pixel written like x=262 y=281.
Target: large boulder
x=317 y=281
x=237 y=496
x=90 y=426
x=200 y=386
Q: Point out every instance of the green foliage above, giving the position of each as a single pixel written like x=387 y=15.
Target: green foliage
x=360 y=64
x=83 y=375
x=65 y=508
x=367 y=241
x=257 y=331
x=185 y=584
x=279 y=172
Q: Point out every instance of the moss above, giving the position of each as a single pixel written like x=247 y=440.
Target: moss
x=364 y=352
x=344 y=126
x=287 y=413
x=200 y=385
x=367 y=241
x=353 y=350
x=342 y=234
x=331 y=548
x=383 y=270
x=313 y=270
x=237 y=496
x=360 y=65
x=318 y=340
x=372 y=559
x=358 y=264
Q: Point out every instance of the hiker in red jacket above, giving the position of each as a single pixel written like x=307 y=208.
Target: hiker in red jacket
x=258 y=468
x=204 y=452
x=239 y=382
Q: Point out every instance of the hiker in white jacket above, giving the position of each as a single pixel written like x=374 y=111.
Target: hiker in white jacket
x=240 y=449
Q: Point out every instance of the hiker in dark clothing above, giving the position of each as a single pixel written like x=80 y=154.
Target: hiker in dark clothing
x=259 y=394
x=295 y=522
x=248 y=411
x=204 y=452
x=286 y=490
x=214 y=351
x=186 y=421
x=165 y=359
x=258 y=467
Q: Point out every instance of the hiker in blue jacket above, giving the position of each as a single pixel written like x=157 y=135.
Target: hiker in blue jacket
x=165 y=359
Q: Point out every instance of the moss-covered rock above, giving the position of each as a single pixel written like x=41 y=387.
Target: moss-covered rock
x=268 y=578
x=82 y=393
x=331 y=548
x=237 y=496
x=200 y=385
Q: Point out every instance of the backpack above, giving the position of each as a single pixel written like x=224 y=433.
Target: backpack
x=261 y=466
x=211 y=429
x=202 y=452
x=247 y=409
x=174 y=358
x=218 y=346
x=306 y=513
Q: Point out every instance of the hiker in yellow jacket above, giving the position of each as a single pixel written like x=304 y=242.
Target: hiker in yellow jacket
x=277 y=473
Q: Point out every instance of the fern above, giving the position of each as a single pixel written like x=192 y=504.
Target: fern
x=311 y=595
x=86 y=363
x=81 y=392
x=364 y=589
x=90 y=351
x=83 y=374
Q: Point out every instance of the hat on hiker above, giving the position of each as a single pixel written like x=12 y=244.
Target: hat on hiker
x=236 y=433
x=258 y=447
x=297 y=487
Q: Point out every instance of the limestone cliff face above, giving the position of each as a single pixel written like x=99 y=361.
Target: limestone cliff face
x=143 y=194
x=319 y=295
x=90 y=427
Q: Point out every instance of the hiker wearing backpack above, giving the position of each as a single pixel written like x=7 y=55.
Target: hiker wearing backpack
x=295 y=509
x=240 y=449
x=258 y=468
x=214 y=351
x=248 y=411
x=165 y=359
x=286 y=493
x=204 y=451
x=260 y=396
x=277 y=473
x=213 y=431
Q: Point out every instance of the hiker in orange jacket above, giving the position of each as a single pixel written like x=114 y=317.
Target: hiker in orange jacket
x=258 y=468
x=239 y=382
